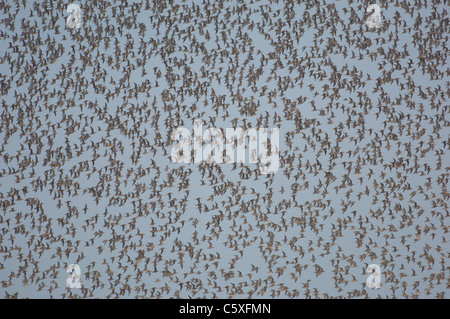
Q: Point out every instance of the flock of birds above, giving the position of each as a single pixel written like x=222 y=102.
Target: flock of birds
x=86 y=178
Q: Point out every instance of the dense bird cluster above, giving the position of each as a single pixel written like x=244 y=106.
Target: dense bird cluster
x=86 y=177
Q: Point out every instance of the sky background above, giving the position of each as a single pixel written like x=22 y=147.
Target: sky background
x=60 y=96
